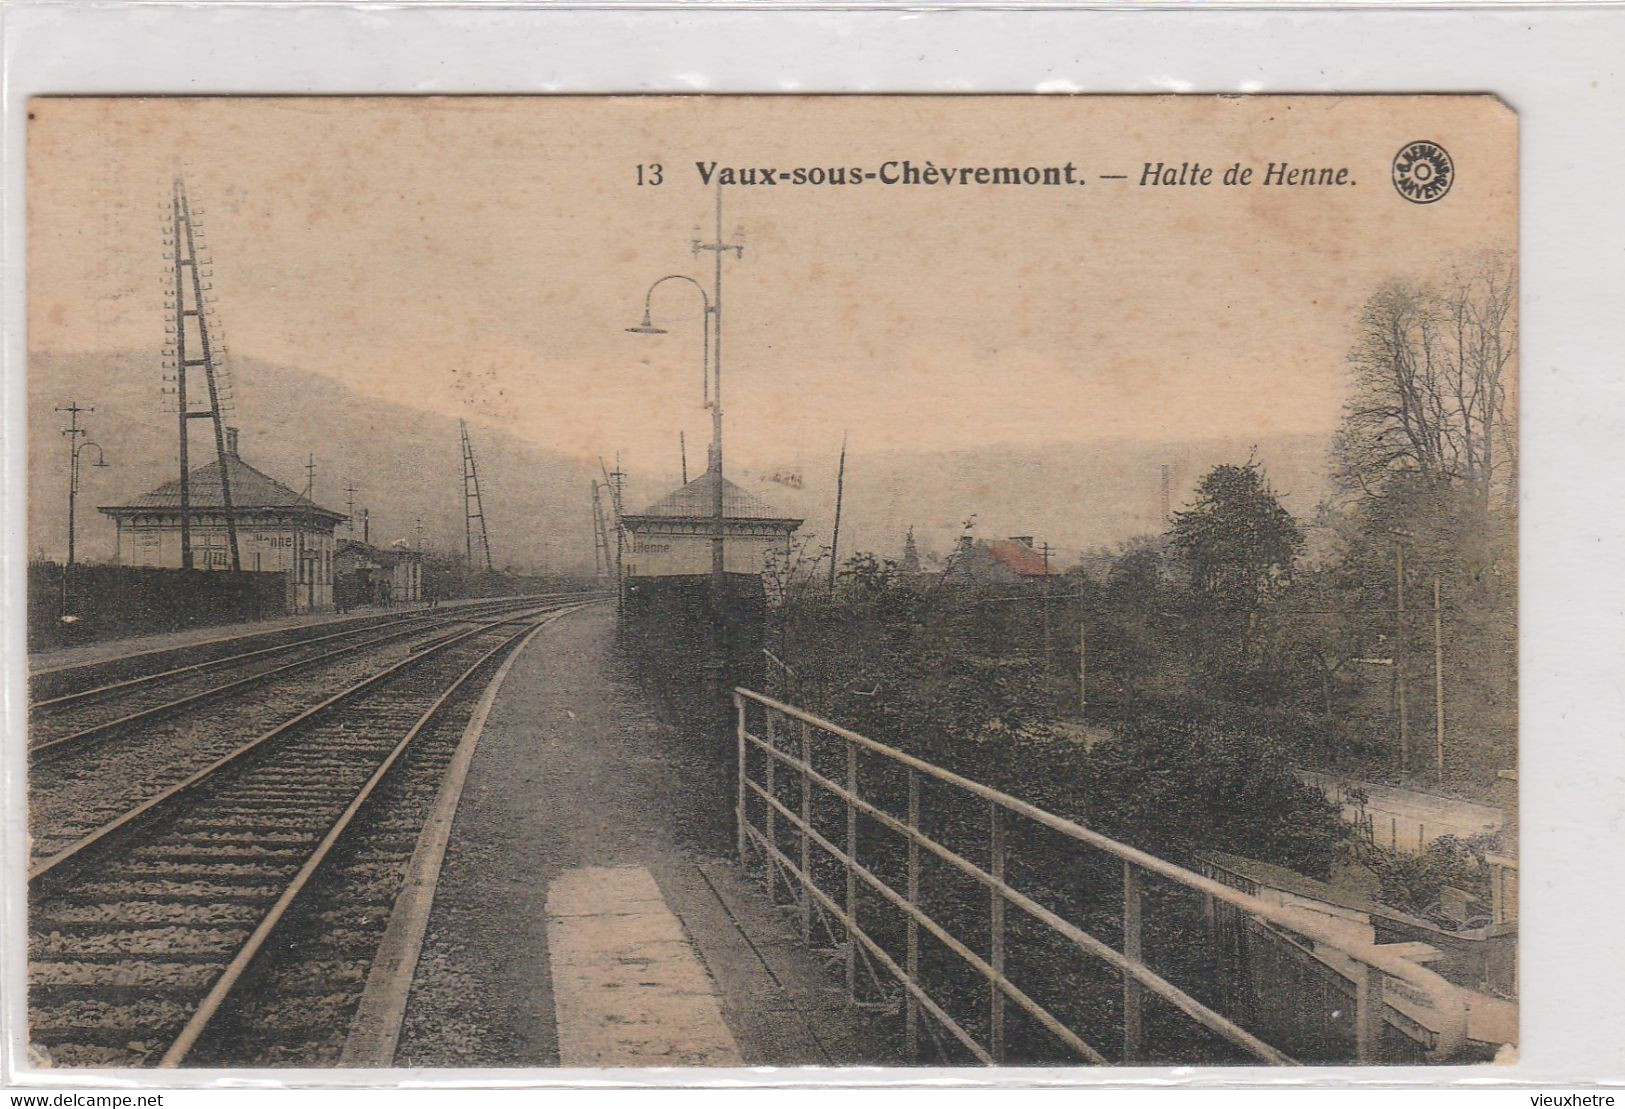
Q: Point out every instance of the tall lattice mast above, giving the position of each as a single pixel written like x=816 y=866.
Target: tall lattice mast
x=473 y=507
x=602 y=559
x=189 y=320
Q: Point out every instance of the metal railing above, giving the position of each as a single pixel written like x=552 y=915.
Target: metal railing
x=790 y=814
x=782 y=679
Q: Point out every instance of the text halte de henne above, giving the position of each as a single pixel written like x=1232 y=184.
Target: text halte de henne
x=907 y=172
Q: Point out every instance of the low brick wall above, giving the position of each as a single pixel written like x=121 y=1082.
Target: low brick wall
x=113 y=602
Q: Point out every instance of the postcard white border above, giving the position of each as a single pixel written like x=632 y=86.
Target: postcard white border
x=1557 y=66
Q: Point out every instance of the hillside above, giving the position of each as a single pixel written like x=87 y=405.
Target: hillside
x=405 y=462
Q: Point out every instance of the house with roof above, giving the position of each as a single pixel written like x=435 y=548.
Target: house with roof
x=278 y=530
x=1009 y=561
x=368 y=575
x=672 y=537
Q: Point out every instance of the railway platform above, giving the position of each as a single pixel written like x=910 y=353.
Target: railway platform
x=579 y=920
x=108 y=650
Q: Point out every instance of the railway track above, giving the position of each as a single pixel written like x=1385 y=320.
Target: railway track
x=143 y=930
x=64 y=722
x=106 y=673
x=115 y=766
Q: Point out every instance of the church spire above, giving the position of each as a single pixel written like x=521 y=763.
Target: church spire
x=911 y=555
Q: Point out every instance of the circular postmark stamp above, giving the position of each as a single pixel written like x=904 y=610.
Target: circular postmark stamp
x=1423 y=172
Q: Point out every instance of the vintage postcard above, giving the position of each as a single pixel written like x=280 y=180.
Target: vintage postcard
x=772 y=581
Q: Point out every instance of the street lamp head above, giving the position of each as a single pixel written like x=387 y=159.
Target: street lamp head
x=647 y=327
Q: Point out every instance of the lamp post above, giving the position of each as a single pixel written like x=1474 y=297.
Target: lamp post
x=77 y=442
x=75 y=434
x=711 y=385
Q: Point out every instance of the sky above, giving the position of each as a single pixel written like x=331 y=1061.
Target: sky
x=482 y=257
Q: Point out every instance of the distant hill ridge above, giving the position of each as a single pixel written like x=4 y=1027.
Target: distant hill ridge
x=406 y=463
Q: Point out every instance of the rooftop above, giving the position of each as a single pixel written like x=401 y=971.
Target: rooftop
x=694 y=501
x=250 y=489
x=385 y=556
x=1020 y=557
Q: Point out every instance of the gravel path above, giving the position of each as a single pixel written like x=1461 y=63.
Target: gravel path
x=573 y=770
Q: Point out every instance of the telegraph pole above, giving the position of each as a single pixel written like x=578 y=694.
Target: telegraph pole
x=835 y=534
x=614 y=481
x=1046 y=550
x=349 y=501
x=1438 y=683
x=718 y=524
x=1083 y=670
x=719 y=620
x=1399 y=654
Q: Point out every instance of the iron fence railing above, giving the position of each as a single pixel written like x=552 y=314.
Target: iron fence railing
x=782 y=680
x=801 y=799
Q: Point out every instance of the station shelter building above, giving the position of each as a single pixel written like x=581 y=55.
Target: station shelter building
x=672 y=537
x=368 y=575
x=278 y=530
x=666 y=595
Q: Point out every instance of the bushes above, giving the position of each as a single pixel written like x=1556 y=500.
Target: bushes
x=919 y=670
x=1414 y=882
x=1176 y=783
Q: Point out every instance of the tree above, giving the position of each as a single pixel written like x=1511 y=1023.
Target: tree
x=1238 y=546
x=1431 y=369
x=1446 y=534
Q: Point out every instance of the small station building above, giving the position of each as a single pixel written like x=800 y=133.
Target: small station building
x=368 y=575
x=278 y=530
x=672 y=537
x=666 y=573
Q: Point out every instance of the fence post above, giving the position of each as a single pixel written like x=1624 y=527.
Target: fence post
x=996 y=912
x=911 y=1010
x=1133 y=992
x=851 y=878
x=1368 y=1014
x=806 y=823
x=770 y=858
x=739 y=802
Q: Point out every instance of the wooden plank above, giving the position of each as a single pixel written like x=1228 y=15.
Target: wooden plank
x=628 y=988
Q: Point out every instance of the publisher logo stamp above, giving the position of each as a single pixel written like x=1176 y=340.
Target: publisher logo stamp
x=1423 y=172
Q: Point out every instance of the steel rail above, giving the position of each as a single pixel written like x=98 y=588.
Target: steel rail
x=130 y=821
x=233 y=973
x=376 y=1024
x=1446 y=998
x=1167 y=991
x=414 y=616
x=53 y=747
